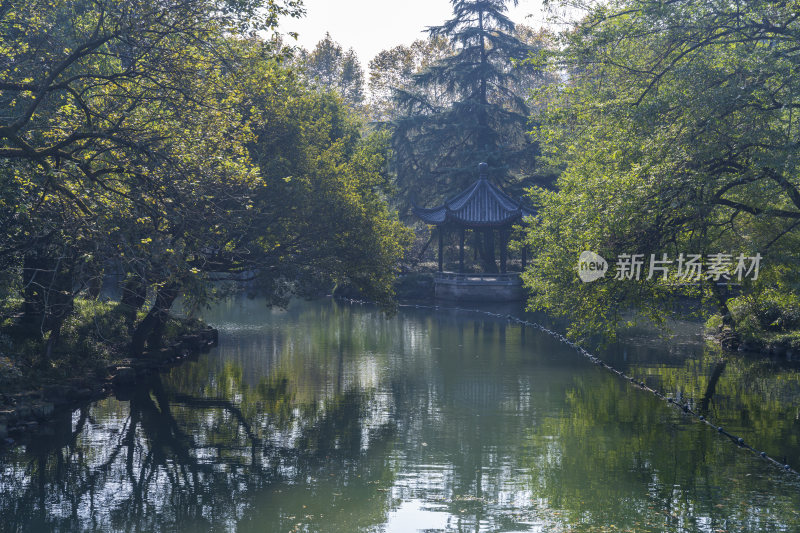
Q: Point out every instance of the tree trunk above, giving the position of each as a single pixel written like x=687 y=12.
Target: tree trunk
x=52 y=340
x=722 y=304
x=487 y=252
x=728 y=336
x=152 y=326
x=95 y=284
x=134 y=294
x=61 y=304
x=424 y=248
x=33 y=299
x=483 y=121
x=48 y=296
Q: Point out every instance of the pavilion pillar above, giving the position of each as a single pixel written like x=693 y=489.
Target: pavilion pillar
x=461 y=251
x=503 y=250
x=489 y=262
x=476 y=245
x=441 y=248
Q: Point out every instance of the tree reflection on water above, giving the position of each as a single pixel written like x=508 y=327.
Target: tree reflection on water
x=155 y=458
x=334 y=418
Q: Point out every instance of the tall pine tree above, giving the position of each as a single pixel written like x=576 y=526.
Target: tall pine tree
x=438 y=144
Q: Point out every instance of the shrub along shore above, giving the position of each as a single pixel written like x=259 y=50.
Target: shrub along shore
x=91 y=362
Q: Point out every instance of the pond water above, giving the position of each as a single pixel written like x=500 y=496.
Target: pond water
x=330 y=417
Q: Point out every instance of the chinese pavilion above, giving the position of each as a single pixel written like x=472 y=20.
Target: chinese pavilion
x=481 y=208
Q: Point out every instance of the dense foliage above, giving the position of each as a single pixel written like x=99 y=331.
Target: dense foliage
x=466 y=107
x=393 y=70
x=331 y=68
x=675 y=129
x=168 y=145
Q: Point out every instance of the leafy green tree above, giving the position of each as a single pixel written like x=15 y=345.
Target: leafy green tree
x=394 y=69
x=131 y=141
x=118 y=114
x=439 y=142
x=676 y=130
x=331 y=68
x=322 y=216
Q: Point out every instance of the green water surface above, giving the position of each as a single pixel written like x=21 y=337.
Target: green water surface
x=330 y=417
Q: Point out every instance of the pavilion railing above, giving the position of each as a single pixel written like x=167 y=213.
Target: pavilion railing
x=478 y=277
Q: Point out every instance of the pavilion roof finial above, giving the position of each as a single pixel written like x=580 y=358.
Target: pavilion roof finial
x=483 y=168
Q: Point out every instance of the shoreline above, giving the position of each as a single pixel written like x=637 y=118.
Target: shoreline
x=418 y=287
x=34 y=408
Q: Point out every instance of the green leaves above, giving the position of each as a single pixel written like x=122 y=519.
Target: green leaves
x=131 y=133
x=675 y=131
x=330 y=220
x=331 y=68
x=466 y=107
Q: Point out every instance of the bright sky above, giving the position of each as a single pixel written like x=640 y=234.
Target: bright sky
x=369 y=26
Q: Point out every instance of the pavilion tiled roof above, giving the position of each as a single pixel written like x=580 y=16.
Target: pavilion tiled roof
x=482 y=204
